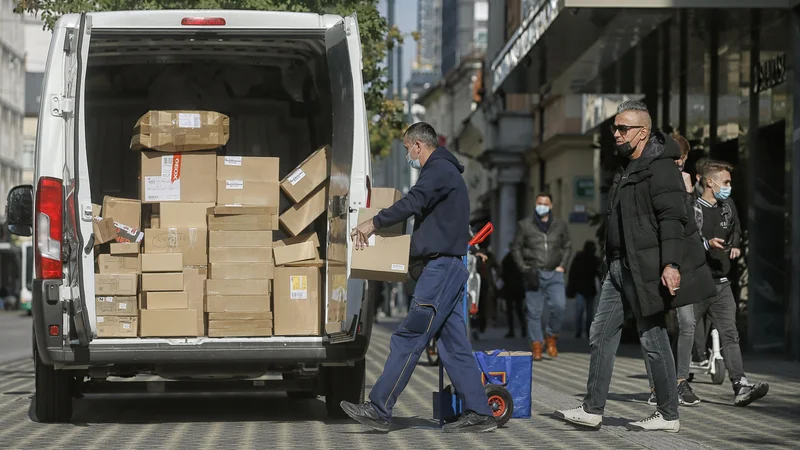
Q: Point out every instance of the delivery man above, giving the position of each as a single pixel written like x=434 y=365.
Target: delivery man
x=440 y=206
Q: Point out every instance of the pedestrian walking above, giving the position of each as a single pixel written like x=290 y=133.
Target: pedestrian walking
x=440 y=205
x=654 y=256
x=514 y=294
x=541 y=249
x=719 y=229
x=582 y=286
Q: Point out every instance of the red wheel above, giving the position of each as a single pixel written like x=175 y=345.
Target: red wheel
x=500 y=402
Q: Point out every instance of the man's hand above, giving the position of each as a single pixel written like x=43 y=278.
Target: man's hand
x=671 y=278
x=362 y=233
x=717 y=243
x=560 y=269
x=482 y=256
x=735 y=253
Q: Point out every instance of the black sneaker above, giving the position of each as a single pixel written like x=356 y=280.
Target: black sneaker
x=748 y=393
x=471 y=423
x=365 y=413
x=686 y=396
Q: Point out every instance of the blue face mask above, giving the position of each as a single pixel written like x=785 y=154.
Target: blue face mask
x=724 y=192
x=542 y=210
x=414 y=163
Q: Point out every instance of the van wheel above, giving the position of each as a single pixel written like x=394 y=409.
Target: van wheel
x=344 y=384
x=53 y=399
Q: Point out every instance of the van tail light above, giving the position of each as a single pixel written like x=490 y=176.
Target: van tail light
x=369 y=191
x=49 y=228
x=203 y=21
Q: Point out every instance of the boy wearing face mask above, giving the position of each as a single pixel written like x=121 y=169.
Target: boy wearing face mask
x=719 y=227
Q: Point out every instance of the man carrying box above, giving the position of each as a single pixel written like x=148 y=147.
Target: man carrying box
x=440 y=206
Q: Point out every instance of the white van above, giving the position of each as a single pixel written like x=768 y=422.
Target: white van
x=290 y=83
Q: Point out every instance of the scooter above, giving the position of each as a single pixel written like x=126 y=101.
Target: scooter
x=714 y=366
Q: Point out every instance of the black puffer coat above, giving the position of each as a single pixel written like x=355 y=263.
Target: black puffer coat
x=658 y=230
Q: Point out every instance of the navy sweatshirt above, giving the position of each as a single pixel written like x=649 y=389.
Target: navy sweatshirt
x=440 y=206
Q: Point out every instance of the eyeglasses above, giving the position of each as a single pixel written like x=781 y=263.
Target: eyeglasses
x=623 y=129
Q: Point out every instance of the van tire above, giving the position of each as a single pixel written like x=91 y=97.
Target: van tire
x=344 y=384
x=53 y=398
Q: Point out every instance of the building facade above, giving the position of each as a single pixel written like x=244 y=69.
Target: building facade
x=12 y=99
x=464 y=34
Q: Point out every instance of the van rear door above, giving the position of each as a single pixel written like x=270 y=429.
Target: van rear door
x=347 y=191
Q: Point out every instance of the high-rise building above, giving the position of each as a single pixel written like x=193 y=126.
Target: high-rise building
x=429 y=47
x=12 y=98
x=464 y=33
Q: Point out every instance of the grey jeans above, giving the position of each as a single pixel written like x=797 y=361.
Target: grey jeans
x=722 y=310
x=604 y=337
x=686 y=323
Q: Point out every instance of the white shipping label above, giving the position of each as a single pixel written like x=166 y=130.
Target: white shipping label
x=399 y=267
x=123 y=306
x=233 y=160
x=188 y=120
x=166 y=166
x=234 y=184
x=126 y=326
x=298 y=287
x=160 y=189
x=100 y=319
x=296 y=176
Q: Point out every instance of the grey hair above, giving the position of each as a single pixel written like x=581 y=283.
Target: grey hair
x=632 y=105
x=422 y=132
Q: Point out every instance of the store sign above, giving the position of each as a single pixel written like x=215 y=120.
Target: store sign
x=584 y=188
x=769 y=73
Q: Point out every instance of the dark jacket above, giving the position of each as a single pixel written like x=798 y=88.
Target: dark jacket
x=513 y=286
x=657 y=229
x=583 y=272
x=440 y=206
x=534 y=249
x=718 y=220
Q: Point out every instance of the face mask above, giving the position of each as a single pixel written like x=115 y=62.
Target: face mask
x=625 y=150
x=723 y=194
x=542 y=210
x=414 y=163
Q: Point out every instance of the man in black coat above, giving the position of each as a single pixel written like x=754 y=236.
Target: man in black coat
x=655 y=262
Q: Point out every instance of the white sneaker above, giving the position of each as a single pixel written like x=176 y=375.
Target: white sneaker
x=579 y=416
x=655 y=422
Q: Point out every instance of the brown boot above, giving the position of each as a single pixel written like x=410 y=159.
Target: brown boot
x=536 y=349
x=550 y=341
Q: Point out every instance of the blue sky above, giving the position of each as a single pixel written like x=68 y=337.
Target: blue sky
x=405 y=15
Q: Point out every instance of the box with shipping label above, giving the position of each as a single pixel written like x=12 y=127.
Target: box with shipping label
x=365 y=214
x=300 y=216
x=123 y=211
x=303 y=180
x=248 y=193
x=238 y=303
x=383 y=197
x=240 y=239
x=116 y=305
x=178 y=177
x=240 y=271
x=297 y=301
x=159 y=262
x=194 y=279
x=236 y=222
x=385 y=259
x=238 y=287
x=240 y=255
x=162 y=281
x=117 y=326
x=119 y=264
x=182 y=215
x=191 y=242
x=127 y=235
x=125 y=248
x=104 y=230
x=180 y=131
x=168 y=323
x=303 y=251
x=165 y=300
x=253 y=168
x=116 y=284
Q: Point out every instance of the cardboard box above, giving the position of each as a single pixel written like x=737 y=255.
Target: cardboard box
x=116 y=284
x=155 y=262
x=194 y=279
x=248 y=193
x=294 y=253
x=155 y=221
x=125 y=248
x=383 y=197
x=179 y=177
x=182 y=215
x=386 y=259
x=307 y=176
x=119 y=264
x=244 y=330
x=116 y=306
x=240 y=271
x=296 y=302
x=307 y=237
x=240 y=255
x=300 y=216
x=168 y=323
x=253 y=168
x=240 y=239
x=262 y=222
x=117 y=326
x=222 y=317
x=124 y=211
x=238 y=303
x=104 y=230
x=191 y=242
x=126 y=234
x=365 y=214
x=165 y=300
x=238 y=287
x=162 y=281
x=180 y=131
x=242 y=210
x=96 y=210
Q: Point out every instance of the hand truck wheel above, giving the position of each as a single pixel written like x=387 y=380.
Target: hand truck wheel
x=500 y=402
